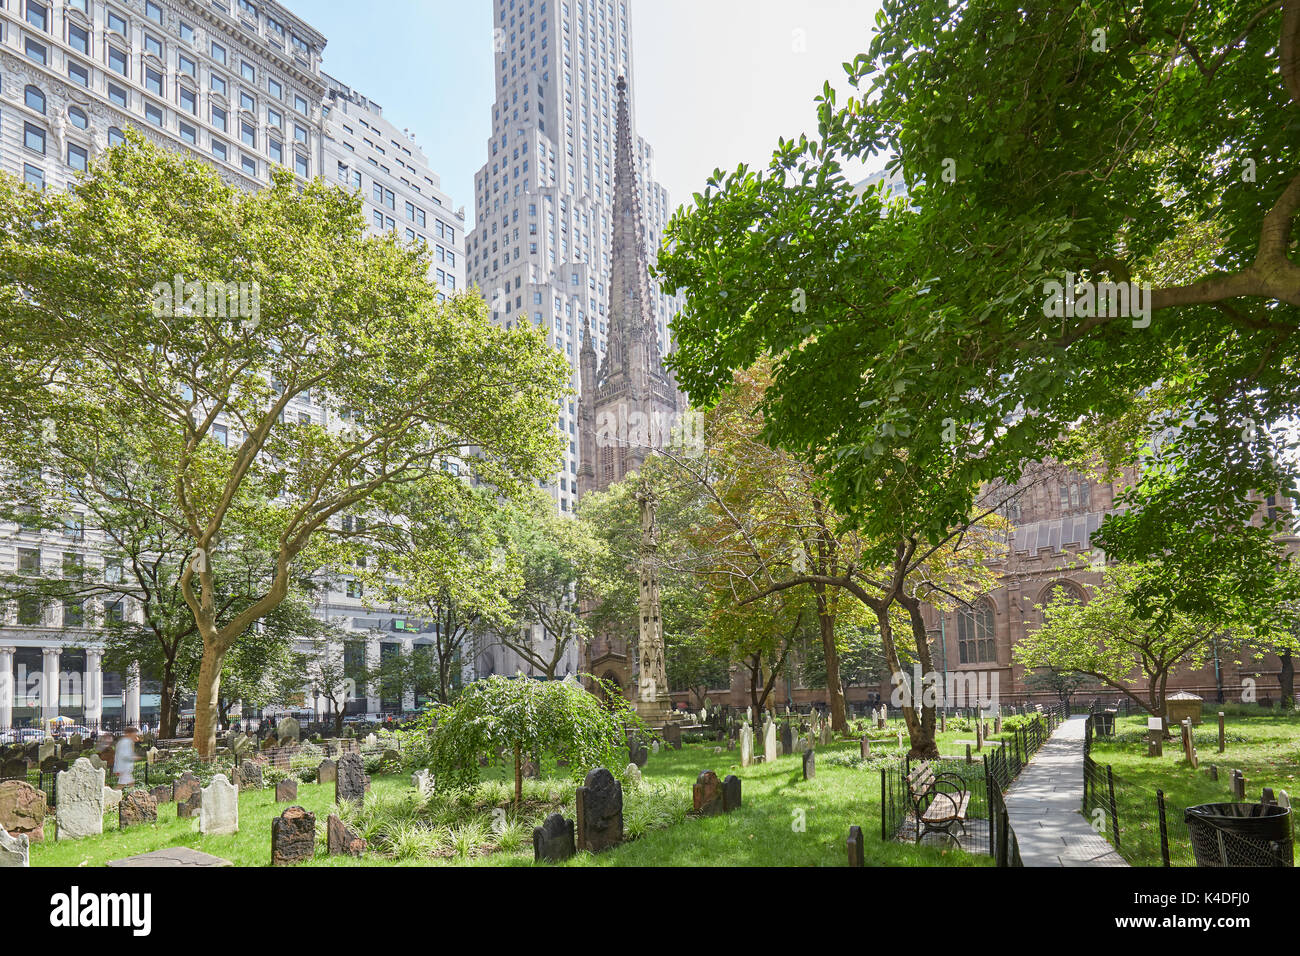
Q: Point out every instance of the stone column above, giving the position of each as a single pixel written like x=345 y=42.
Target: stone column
x=131 y=696
x=372 y=662
x=408 y=696
x=92 y=688
x=7 y=687
x=49 y=686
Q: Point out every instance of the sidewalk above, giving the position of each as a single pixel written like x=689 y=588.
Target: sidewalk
x=1043 y=807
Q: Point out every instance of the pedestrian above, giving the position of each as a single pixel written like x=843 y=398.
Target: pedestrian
x=124 y=758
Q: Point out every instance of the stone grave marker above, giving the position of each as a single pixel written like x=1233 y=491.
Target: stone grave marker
x=161 y=793
x=809 y=764
x=553 y=840
x=855 y=847
x=422 y=781
x=1238 y=786
x=327 y=772
x=22 y=810
x=673 y=735
x=787 y=738
x=80 y=804
x=865 y=746
x=731 y=793
x=769 y=741
x=706 y=794
x=289 y=728
x=137 y=807
x=1222 y=735
x=293 y=837
x=286 y=791
x=219 y=807
x=15 y=849
x=249 y=775
x=746 y=745
x=633 y=774
x=599 y=823
x=1189 y=744
x=350 y=783
x=342 y=840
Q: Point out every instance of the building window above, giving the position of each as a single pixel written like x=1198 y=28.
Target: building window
x=189 y=101
x=153 y=113
x=276 y=150
x=975 y=633
x=219 y=118
x=249 y=164
x=35 y=51
x=153 y=45
x=115 y=137
x=34 y=138
x=116 y=23
x=219 y=150
x=117 y=61
x=153 y=12
x=79 y=39
x=218 y=53
x=186 y=66
x=38 y=16
x=301 y=166
x=153 y=81
x=78 y=117
x=117 y=95
x=189 y=133
x=77 y=158
x=34 y=99
x=1057 y=592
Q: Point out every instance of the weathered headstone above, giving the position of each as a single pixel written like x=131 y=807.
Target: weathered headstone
x=809 y=764
x=249 y=775
x=553 y=840
x=342 y=840
x=185 y=786
x=14 y=849
x=746 y=745
x=731 y=793
x=1189 y=744
x=769 y=741
x=787 y=738
x=1238 y=786
x=327 y=772
x=80 y=801
x=633 y=774
x=286 y=791
x=599 y=823
x=161 y=793
x=293 y=837
x=289 y=728
x=855 y=847
x=112 y=798
x=422 y=781
x=351 y=781
x=673 y=735
x=219 y=807
x=706 y=794
x=1222 y=735
x=137 y=807
x=826 y=734
x=864 y=746
x=22 y=810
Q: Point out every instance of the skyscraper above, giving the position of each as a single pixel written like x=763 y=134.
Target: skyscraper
x=541 y=250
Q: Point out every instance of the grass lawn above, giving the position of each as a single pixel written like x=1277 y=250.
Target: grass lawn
x=784 y=820
x=1263 y=744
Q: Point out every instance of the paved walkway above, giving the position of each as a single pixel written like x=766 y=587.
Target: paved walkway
x=1044 y=807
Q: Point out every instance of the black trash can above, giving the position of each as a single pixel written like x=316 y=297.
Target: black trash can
x=1241 y=834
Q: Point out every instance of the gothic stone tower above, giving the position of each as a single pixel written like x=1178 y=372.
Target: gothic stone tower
x=628 y=403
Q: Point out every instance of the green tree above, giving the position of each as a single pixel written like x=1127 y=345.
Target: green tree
x=304 y=370
x=529 y=718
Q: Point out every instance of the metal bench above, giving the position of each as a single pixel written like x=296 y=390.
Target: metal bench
x=939 y=801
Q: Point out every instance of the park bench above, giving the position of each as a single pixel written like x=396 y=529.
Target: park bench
x=939 y=801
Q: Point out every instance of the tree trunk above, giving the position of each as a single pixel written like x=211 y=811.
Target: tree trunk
x=834 y=688
x=168 y=712
x=519 y=776
x=922 y=739
x=1286 y=678
x=206 y=697
x=339 y=714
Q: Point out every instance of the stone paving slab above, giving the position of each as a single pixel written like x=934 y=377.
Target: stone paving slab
x=1043 y=806
x=169 y=857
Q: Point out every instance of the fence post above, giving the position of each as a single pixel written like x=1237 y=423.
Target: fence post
x=884 y=807
x=988 y=798
x=1003 y=839
x=1164 y=828
x=1114 y=808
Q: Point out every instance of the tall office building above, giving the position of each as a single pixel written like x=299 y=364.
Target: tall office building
x=542 y=244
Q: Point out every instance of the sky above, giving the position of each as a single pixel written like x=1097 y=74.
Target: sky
x=716 y=82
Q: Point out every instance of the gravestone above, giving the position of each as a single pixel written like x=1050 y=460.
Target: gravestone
x=673 y=735
x=1267 y=798
x=79 y=807
x=731 y=793
x=219 y=807
x=997 y=723
x=553 y=840
x=1189 y=744
x=351 y=781
x=170 y=857
x=22 y=810
x=769 y=741
x=289 y=728
x=249 y=775
x=14 y=768
x=161 y=793
x=857 y=856
x=14 y=849
x=293 y=837
x=826 y=735
x=1283 y=800
x=422 y=781
x=1222 y=735
x=47 y=750
x=943 y=722
x=706 y=795
x=865 y=746
x=137 y=807
x=787 y=738
x=809 y=764
x=1238 y=786
x=599 y=823
x=746 y=745
x=530 y=769
x=342 y=840
x=286 y=791
x=633 y=774
x=327 y=772
x=1214 y=772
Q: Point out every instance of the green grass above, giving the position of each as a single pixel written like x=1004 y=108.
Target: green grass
x=1263 y=744
x=460 y=829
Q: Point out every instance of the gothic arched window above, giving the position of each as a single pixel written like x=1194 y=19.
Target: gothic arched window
x=1058 y=591
x=975 y=634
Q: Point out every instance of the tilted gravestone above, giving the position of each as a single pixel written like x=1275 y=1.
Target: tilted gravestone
x=342 y=840
x=553 y=840
x=707 y=794
x=637 y=753
x=351 y=781
x=673 y=735
x=809 y=764
x=327 y=772
x=186 y=785
x=787 y=738
x=79 y=806
x=857 y=856
x=731 y=793
x=14 y=849
x=286 y=791
x=599 y=823
x=161 y=793
x=633 y=774
x=865 y=746
x=219 y=807
x=137 y=807
x=22 y=810
x=293 y=837
x=289 y=728
x=249 y=775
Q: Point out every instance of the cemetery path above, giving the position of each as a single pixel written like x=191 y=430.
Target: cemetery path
x=1043 y=806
